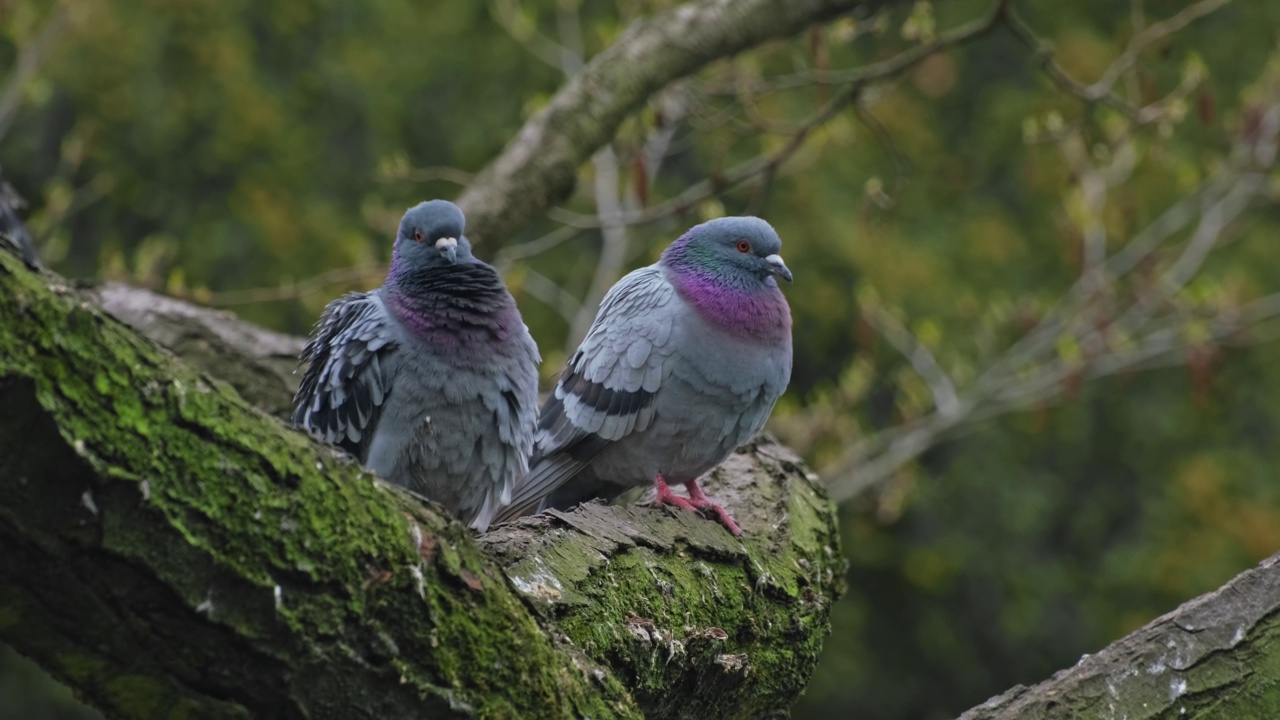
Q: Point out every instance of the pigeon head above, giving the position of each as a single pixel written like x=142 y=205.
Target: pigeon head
x=431 y=235
x=739 y=251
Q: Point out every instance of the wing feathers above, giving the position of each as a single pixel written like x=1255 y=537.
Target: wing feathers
x=345 y=385
x=608 y=389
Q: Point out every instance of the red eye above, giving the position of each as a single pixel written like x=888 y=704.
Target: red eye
x=744 y=246
x=417 y=236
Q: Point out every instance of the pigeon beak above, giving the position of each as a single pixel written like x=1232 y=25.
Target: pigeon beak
x=777 y=267
x=448 y=247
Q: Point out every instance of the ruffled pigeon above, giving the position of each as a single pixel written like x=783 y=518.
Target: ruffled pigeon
x=683 y=363
x=430 y=380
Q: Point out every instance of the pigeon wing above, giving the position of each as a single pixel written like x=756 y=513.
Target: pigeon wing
x=349 y=373
x=608 y=388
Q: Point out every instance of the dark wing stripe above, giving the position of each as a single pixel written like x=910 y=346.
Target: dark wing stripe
x=608 y=389
x=603 y=399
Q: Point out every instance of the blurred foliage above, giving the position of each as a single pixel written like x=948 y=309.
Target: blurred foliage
x=211 y=148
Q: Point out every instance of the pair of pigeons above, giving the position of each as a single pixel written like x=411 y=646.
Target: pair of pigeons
x=431 y=380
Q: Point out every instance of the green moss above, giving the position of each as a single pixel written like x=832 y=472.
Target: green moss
x=688 y=617
x=241 y=528
x=140 y=694
x=81 y=665
x=294 y=557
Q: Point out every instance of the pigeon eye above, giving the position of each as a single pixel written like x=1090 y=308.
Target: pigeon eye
x=417 y=236
x=744 y=246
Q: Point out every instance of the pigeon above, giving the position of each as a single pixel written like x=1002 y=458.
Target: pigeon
x=431 y=380
x=11 y=227
x=683 y=363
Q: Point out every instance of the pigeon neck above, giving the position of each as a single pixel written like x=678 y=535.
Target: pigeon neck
x=463 y=305
x=755 y=310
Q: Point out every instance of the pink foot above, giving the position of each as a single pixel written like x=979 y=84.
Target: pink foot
x=697 y=502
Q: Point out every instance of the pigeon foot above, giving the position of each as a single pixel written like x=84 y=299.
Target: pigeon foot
x=697 y=502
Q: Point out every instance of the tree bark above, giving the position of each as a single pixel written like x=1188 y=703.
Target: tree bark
x=168 y=547
x=148 y=516
x=1215 y=657
x=539 y=166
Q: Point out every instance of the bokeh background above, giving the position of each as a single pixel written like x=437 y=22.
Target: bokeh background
x=256 y=155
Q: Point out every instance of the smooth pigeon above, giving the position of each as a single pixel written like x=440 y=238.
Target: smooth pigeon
x=430 y=380
x=683 y=363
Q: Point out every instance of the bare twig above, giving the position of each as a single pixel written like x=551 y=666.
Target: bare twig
x=295 y=290
x=525 y=31
x=1147 y=334
x=945 y=400
x=512 y=253
x=430 y=173
x=1145 y=37
x=853 y=82
x=1102 y=91
x=884 y=69
x=552 y=295
x=606 y=190
x=539 y=166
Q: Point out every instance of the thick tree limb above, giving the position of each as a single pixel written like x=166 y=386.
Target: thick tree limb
x=1214 y=657
x=257 y=362
x=152 y=600
x=538 y=167
x=168 y=547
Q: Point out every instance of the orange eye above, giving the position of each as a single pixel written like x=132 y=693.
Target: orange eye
x=744 y=246
x=417 y=236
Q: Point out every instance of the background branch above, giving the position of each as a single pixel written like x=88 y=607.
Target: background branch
x=538 y=167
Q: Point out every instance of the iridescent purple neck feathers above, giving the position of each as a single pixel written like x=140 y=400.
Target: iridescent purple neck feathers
x=463 y=306
x=748 y=309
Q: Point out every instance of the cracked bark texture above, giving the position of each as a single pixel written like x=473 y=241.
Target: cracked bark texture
x=1217 y=656
x=171 y=548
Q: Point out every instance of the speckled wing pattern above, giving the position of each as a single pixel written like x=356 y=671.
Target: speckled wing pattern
x=607 y=390
x=348 y=375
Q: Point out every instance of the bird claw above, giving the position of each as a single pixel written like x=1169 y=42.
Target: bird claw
x=697 y=502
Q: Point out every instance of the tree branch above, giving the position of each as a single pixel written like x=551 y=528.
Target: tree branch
x=1214 y=657
x=539 y=166
x=167 y=546
x=1106 y=322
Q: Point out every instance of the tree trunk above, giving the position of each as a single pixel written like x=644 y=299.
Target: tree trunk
x=169 y=547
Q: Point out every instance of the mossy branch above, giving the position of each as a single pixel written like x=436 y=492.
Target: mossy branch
x=169 y=548
x=1217 y=656
x=148 y=516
